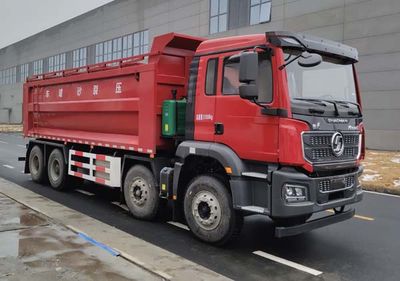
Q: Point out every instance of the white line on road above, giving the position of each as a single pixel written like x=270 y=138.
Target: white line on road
x=8 y=166
x=21 y=145
x=384 y=194
x=120 y=205
x=84 y=192
x=3 y=142
x=288 y=263
x=178 y=224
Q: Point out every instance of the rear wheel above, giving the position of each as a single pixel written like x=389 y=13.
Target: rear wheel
x=36 y=164
x=141 y=193
x=57 y=170
x=209 y=212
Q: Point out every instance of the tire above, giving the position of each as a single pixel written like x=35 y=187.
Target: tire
x=141 y=193
x=209 y=212
x=57 y=170
x=37 y=168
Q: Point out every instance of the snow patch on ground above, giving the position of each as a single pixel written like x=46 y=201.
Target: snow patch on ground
x=397 y=183
x=395 y=160
x=374 y=177
x=370 y=171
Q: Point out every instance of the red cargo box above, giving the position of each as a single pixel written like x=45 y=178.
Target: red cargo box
x=114 y=104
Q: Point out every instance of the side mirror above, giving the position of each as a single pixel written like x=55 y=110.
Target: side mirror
x=309 y=59
x=248 y=73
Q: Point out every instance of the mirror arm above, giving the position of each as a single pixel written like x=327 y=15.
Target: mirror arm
x=289 y=62
x=266 y=110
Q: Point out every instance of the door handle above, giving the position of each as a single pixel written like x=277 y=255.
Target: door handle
x=218 y=128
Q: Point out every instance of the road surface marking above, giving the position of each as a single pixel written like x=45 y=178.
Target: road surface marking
x=8 y=166
x=21 y=145
x=288 y=263
x=84 y=192
x=120 y=205
x=384 y=194
x=3 y=142
x=178 y=224
x=356 y=216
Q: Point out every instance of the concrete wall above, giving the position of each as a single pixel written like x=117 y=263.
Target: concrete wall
x=372 y=26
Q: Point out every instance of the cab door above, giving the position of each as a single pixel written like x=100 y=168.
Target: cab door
x=242 y=126
x=206 y=90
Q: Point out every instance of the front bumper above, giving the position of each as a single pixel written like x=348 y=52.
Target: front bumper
x=317 y=200
x=313 y=224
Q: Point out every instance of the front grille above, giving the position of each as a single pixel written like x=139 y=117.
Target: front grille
x=317 y=147
x=326 y=186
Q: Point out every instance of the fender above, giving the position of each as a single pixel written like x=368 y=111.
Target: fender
x=222 y=153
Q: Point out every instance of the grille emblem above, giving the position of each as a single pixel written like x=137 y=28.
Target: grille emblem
x=337 y=144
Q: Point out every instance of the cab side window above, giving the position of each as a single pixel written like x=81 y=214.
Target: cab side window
x=211 y=77
x=230 y=82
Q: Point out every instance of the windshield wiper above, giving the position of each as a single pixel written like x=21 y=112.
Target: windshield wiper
x=318 y=101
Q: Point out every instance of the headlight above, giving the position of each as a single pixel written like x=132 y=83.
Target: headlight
x=294 y=193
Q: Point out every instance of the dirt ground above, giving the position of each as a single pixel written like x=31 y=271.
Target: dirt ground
x=7 y=128
x=381 y=171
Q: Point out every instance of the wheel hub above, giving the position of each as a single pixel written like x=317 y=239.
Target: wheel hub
x=139 y=191
x=35 y=164
x=206 y=210
x=55 y=170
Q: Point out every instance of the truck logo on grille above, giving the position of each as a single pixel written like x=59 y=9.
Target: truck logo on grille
x=337 y=144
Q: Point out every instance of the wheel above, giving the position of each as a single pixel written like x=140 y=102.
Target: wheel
x=36 y=164
x=209 y=212
x=141 y=193
x=291 y=221
x=57 y=170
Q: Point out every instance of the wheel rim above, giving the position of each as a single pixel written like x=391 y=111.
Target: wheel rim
x=35 y=165
x=55 y=170
x=139 y=191
x=206 y=210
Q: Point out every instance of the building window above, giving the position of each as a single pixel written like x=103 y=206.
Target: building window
x=79 y=57
x=117 y=48
x=218 y=16
x=57 y=62
x=38 y=67
x=260 y=11
x=140 y=42
x=23 y=72
x=127 y=46
x=9 y=75
x=122 y=47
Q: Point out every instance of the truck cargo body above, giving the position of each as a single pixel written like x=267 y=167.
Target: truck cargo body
x=222 y=128
x=113 y=104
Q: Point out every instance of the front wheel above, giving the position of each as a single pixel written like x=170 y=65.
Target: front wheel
x=209 y=212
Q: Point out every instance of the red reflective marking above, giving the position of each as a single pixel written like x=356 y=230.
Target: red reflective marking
x=100 y=168
x=78 y=153
x=77 y=164
x=78 y=174
x=100 y=157
x=99 y=180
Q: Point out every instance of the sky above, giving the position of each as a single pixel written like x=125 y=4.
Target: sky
x=22 y=18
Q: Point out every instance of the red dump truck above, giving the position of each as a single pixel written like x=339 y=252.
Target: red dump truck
x=223 y=128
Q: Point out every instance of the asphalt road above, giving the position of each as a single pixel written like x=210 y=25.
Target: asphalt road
x=366 y=247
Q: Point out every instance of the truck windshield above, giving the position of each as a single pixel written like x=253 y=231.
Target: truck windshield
x=330 y=80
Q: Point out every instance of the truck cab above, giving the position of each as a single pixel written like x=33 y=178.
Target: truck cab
x=281 y=113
